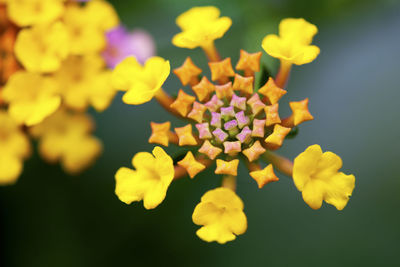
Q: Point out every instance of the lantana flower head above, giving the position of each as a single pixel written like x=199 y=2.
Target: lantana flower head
x=231 y=118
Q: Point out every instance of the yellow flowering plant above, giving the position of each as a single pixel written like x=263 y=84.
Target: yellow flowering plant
x=230 y=120
x=51 y=71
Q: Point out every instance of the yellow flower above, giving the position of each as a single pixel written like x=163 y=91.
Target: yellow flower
x=140 y=82
x=30 y=12
x=293 y=44
x=200 y=27
x=84 y=81
x=31 y=97
x=14 y=148
x=221 y=213
x=149 y=182
x=316 y=175
x=66 y=138
x=87 y=25
x=43 y=47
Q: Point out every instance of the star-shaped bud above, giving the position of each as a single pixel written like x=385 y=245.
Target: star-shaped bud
x=272 y=91
x=249 y=62
x=230 y=125
x=211 y=151
x=204 y=130
x=243 y=84
x=221 y=70
x=256 y=104
x=227 y=167
x=224 y=91
x=215 y=119
x=203 y=89
x=245 y=135
x=188 y=73
x=197 y=112
x=300 y=111
x=272 y=114
x=232 y=148
x=238 y=102
x=159 y=133
x=254 y=152
x=183 y=103
x=192 y=166
x=278 y=135
x=220 y=135
x=227 y=112
x=264 y=176
x=258 y=128
x=242 y=119
x=214 y=104
x=185 y=136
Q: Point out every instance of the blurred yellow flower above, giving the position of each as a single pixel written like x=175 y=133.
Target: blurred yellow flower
x=43 y=47
x=293 y=44
x=66 y=138
x=31 y=12
x=316 y=175
x=87 y=25
x=221 y=213
x=149 y=182
x=14 y=148
x=140 y=82
x=84 y=81
x=31 y=97
x=200 y=27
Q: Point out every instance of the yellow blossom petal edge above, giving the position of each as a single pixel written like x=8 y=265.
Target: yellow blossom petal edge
x=140 y=82
x=200 y=27
x=221 y=214
x=293 y=44
x=149 y=182
x=317 y=176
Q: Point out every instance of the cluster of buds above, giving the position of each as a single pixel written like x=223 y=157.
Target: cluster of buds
x=230 y=119
x=56 y=61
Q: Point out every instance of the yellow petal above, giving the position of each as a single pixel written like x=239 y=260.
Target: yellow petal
x=10 y=169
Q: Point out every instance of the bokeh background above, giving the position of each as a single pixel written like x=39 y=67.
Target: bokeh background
x=51 y=219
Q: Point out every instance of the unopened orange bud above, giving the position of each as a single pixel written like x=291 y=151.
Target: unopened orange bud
x=249 y=61
x=185 y=136
x=244 y=84
x=197 y=112
x=183 y=103
x=275 y=140
x=192 y=166
x=227 y=167
x=188 y=73
x=221 y=70
x=300 y=111
x=272 y=114
x=265 y=176
x=211 y=151
x=271 y=91
x=160 y=132
x=254 y=152
x=224 y=91
x=203 y=89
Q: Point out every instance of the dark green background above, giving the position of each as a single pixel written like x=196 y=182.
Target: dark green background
x=52 y=219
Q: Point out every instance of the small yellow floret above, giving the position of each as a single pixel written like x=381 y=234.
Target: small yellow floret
x=317 y=176
x=140 y=82
x=66 y=138
x=149 y=181
x=227 y=167
x=84 y=81
x=32 y=12
x=43 y=47
x=293 y=43
x=221 y=214
x=200 y=27
x=14 y=148
x=31 y=97
x=192 y=166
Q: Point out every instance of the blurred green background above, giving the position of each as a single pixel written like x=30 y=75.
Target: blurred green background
x=52 y=219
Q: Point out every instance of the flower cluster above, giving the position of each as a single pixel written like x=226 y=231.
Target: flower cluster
x=230 y=119
x=57 y=57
